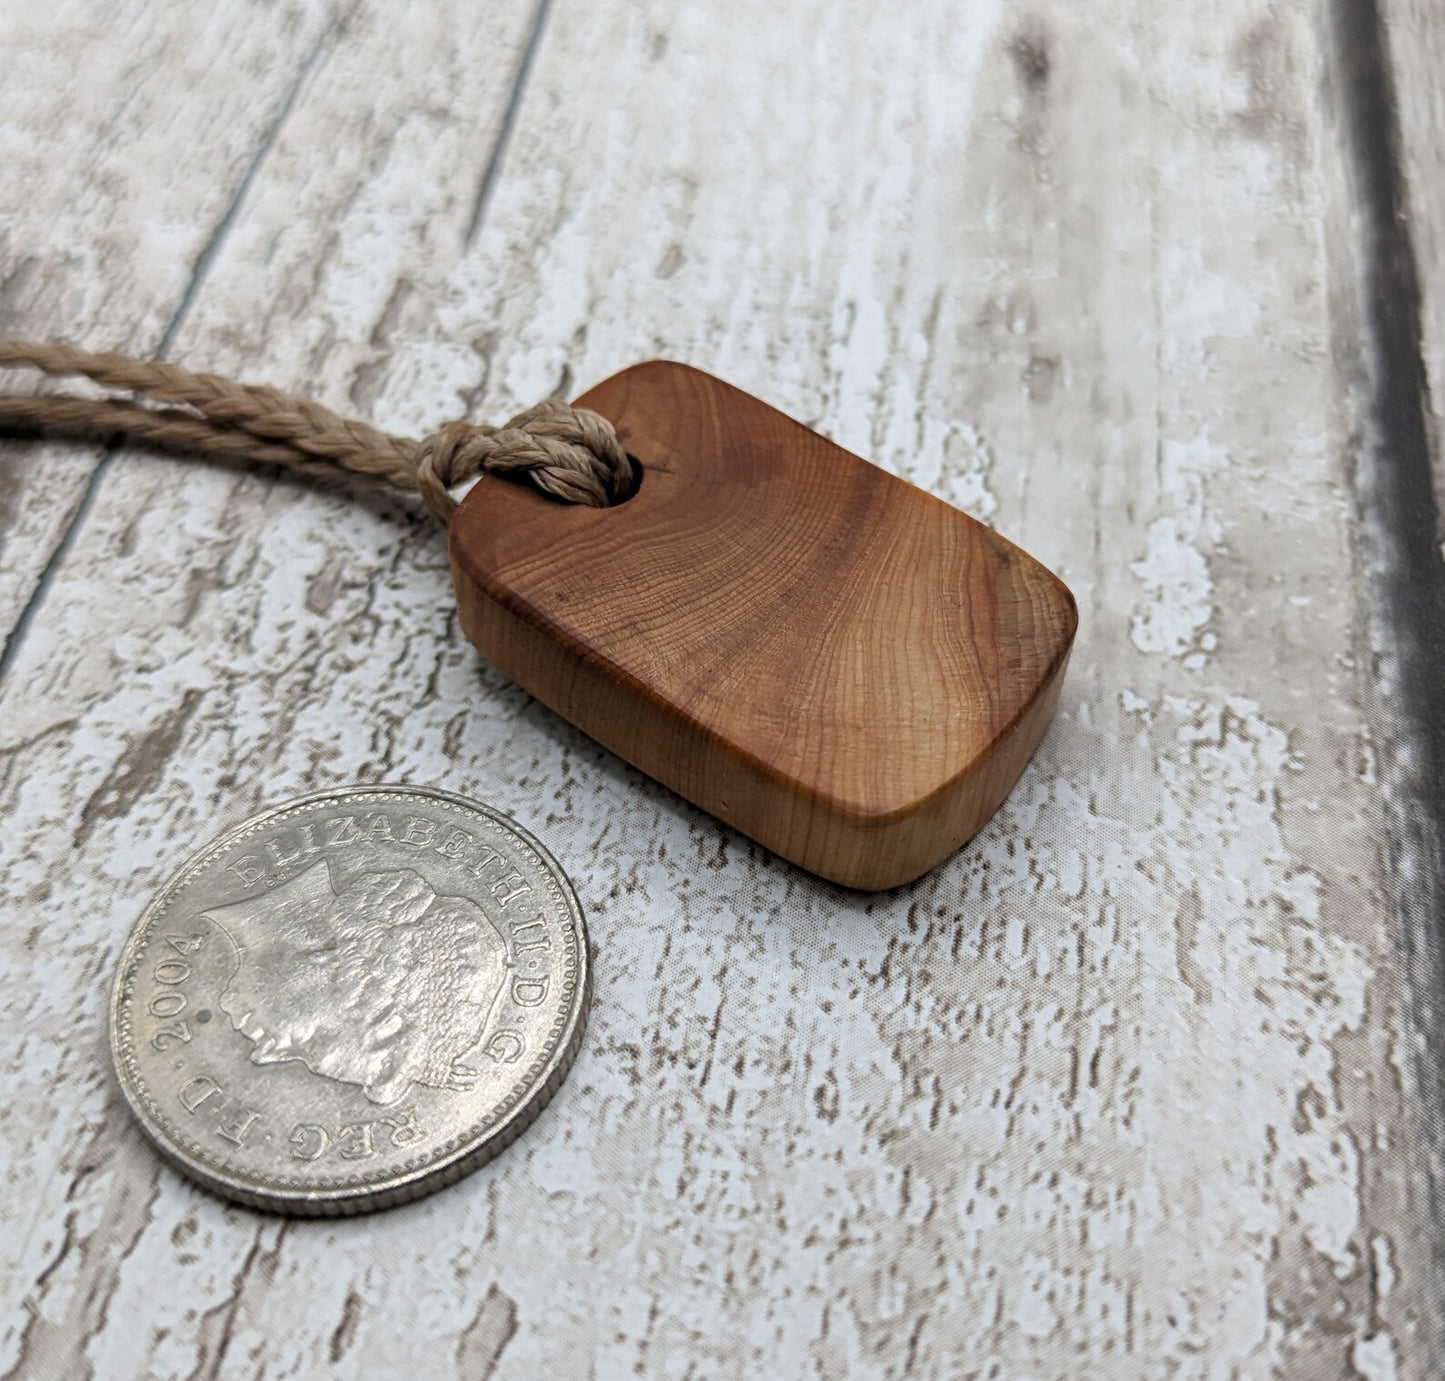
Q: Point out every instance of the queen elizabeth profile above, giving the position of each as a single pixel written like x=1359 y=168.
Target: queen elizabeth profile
x=384 y=984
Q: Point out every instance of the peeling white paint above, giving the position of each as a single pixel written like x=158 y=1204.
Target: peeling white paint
x=1176 y=577
x=1373 y=1357
x=1113 y=1091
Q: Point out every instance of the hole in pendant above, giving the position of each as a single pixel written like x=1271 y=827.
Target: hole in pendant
x=631 y=491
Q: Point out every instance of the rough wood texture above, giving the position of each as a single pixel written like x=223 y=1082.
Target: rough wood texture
x=847 y=670
x=1114 y=1092
x=1391 y=73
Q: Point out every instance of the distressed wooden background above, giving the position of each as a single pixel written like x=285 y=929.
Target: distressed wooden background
x=1145 y=1082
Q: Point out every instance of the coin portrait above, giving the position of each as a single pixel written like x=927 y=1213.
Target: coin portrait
x=383 y=986
x=351 y=1000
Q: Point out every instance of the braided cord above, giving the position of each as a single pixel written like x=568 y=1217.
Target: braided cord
x=570 y=453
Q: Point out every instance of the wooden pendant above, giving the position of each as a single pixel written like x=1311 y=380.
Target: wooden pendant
x=835 y=662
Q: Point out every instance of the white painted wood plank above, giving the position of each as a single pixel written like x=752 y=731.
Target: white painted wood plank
x=125 y=134
x=376 y=165
x=1079 y=284
x=1114 y=1091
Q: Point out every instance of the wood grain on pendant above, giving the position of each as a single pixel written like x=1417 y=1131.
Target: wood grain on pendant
x=835 y=662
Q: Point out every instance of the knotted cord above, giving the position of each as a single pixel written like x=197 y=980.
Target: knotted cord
x=570 y=453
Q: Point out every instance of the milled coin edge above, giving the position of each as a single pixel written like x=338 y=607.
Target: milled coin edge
x=412 y=1184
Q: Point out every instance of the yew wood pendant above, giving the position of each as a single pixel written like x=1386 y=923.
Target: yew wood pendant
x=835 y=662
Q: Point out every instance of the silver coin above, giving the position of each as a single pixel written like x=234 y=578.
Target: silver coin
x=351 y=1000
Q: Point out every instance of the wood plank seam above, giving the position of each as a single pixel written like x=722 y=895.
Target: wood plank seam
x=1394 y=481
x=509 y=119
x=204 y=260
